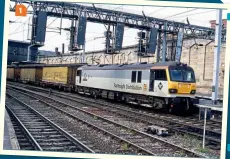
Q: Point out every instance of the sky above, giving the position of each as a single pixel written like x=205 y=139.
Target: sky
x=20 y=30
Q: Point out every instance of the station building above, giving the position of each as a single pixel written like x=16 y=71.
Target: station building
x=17 y=51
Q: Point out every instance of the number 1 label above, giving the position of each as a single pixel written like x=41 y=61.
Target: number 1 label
x=20 y=10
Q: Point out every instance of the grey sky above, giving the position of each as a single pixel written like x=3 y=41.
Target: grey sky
x=201 y=17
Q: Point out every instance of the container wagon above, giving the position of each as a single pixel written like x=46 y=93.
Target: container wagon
x=13 y=73
x=31 y=73
x=10 y=73
x=61 y=76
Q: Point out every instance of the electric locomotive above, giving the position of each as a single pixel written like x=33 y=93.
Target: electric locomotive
x=165 y=85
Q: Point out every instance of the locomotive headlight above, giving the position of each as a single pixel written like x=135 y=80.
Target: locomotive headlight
x=172 y=90
x=193 y=92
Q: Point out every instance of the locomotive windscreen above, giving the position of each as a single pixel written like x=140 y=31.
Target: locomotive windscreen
x=182 y=74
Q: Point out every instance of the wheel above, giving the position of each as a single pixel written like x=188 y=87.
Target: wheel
x=91 y=93
x=78 y=90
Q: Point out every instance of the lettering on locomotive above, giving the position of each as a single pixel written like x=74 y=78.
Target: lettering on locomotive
x=122 y=86
x=133 y=87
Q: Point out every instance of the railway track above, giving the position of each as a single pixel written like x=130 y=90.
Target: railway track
x=22 y=134
x=133 y=137
x=185 y=125
x=36 y=132
x=132 y=149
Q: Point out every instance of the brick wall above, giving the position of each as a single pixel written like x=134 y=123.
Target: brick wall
x=213 y=23
x=203 y=67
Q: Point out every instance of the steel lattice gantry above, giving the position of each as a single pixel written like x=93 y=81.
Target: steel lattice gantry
x=106 y=16
x=99 y=15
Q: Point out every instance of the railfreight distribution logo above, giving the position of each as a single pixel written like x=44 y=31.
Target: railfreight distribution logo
x=160 y=85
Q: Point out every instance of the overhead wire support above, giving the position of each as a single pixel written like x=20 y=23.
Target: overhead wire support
x=101 y=15
x=193 y=37
x=61 y=20
x=145 y=16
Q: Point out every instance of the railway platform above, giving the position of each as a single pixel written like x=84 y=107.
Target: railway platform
x=208 y=96
x=203 y=103
x=10 y=139
x=212 y=110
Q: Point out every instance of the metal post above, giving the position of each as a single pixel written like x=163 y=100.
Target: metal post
x=28 y=53
x=172 y=51
x=179 y=45
x=159 y=47
x=205 y=52
x=63 y=48
x=218 y=33
x=189 y=57
x=83 y=54
x=38 y=59
x=164 y=44
x=205 y=116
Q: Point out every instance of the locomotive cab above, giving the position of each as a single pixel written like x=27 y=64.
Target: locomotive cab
x=182 y=83
x=181 y=80
x=176 y=83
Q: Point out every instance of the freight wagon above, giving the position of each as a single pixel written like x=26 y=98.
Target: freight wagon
x=10 y=73
x=31 y=73
x=13 y=73
x=61 y=76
